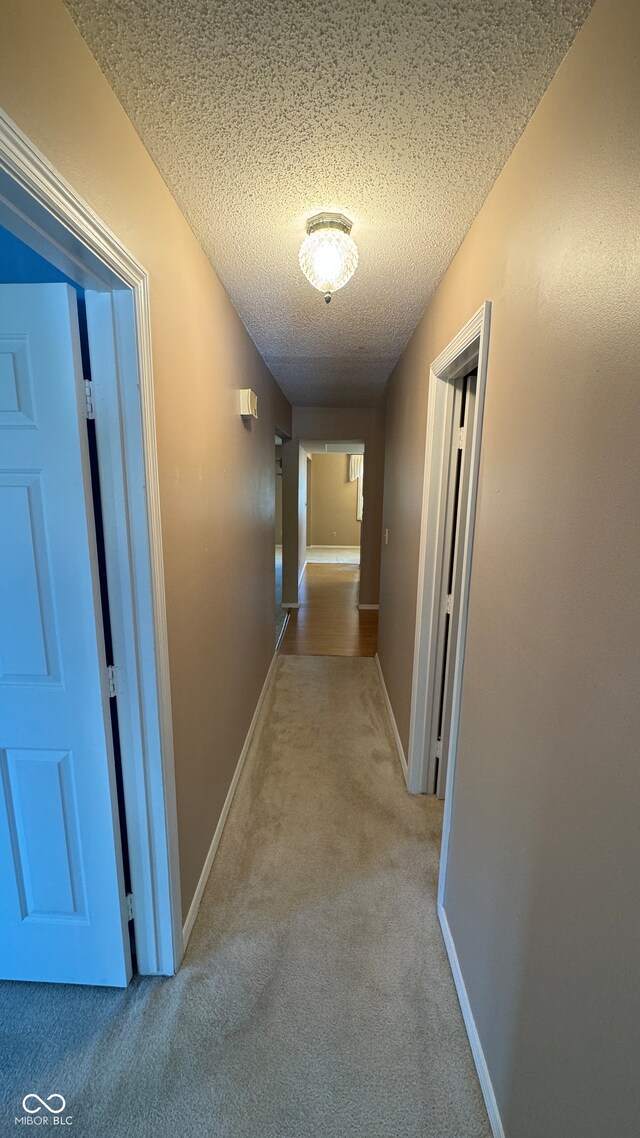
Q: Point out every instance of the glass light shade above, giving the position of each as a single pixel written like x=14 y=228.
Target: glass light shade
x=328 y=258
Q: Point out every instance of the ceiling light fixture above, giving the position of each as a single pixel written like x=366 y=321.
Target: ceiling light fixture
x=328 y=255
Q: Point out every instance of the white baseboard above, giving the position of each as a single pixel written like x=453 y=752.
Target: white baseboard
x=302 y=572
x=282 y=630
x=484 y=1078
x=392 y=720
x=206 y=869
x=364 y=608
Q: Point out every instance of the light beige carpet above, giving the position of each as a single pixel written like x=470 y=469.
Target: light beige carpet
x=315 y=1000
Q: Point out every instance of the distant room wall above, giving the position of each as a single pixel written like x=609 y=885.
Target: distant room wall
x=19 y=264
x=333 y=502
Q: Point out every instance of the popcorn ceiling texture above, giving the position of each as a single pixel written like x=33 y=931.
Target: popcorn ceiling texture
x=398 y=113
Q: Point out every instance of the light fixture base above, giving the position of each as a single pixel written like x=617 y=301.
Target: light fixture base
x=329 y=221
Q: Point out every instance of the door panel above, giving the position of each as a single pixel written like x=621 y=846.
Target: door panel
x=452 y=555
x=40 y=796
x=29 y=642
x=443 y=638
x=62 y=904
x=455 y=581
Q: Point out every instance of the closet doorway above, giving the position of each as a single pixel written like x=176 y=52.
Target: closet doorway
x=452 y=460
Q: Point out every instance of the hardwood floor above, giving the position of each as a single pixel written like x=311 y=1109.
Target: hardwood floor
x=328 y=622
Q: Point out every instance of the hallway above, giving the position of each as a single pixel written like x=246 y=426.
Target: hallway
x=329 y=622
x=319 y=495
x=315 y=999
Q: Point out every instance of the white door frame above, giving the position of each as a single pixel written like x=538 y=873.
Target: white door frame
x=470 y=347
x=38 y=206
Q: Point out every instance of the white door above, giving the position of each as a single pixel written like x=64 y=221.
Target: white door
x=62 y=902
x=451 y=581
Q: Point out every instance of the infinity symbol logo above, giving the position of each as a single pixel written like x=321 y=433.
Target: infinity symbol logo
x=36 y=1098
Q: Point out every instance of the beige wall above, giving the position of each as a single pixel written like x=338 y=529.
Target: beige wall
x=333 y=502
x=294 y=518
x=216 y=474
x=542 y=893
x=303 y=504
x=333 y=424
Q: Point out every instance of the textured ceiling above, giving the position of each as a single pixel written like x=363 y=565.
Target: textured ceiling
x=399 y=113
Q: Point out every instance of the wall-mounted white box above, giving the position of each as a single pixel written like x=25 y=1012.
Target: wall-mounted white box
x=248 y=404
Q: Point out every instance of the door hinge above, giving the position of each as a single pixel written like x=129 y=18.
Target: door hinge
x=129 y=900
x=461 y=438
x=449 y=608
x=88 y=398
x=111 y=676
x=439 y=749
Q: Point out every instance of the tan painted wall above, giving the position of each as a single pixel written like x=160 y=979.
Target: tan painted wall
x=333 y=424
x=216 y=475
x=333 y=502
x=303 y=501
x=294 y=518
x=542 y=893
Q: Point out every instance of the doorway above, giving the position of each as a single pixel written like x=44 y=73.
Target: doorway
x=448 y=607
x=335 y=502
x=328 y=619
x=51 y=877
x=282 y=614
x=452 y=456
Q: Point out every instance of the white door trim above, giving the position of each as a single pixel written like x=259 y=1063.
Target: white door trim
x=469 y=346
x=45 y=211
